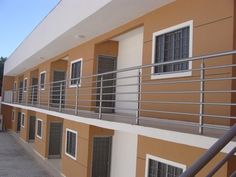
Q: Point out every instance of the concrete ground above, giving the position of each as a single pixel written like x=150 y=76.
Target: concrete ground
x=16 y=162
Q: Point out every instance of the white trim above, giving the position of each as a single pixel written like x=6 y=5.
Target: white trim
x=167 y=30
x=22 y=116
x=13 y=116
x=25 y=86
x=168 y=162
x=71 y=63
x=43 y=72
x=40 y=137
x=76 y=138
x=190 y=139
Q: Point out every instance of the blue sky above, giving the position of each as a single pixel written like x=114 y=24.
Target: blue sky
x=18 y=18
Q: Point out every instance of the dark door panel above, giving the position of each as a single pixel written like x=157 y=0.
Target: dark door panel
x=106 y=64
x=18 y=121
x=55 y=140
x=32 y=121
x=101 y=156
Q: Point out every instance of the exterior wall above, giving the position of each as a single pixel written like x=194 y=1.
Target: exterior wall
x=40 y=145
x=81 y=167
x=7 y=115
x=129 y=55
x=124 y=154
x=174 y=152
x=24 y=131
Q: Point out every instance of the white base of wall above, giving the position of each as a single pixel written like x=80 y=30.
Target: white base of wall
x=124 y=154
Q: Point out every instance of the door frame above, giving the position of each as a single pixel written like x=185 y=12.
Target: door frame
x=31 y=140
x=97 y=67
x=101 y=136
x=48 y=141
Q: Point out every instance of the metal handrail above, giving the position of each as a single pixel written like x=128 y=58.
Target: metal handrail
x=91 y=92
x=211 y=153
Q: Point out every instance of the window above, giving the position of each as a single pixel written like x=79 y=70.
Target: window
x=39 y=128
x=158 y=167
x=14 y=87
x=23 y=120
x=76 y=72
x=25 y=84
x=13 y=116
x=172 y=44
x=71 y=143
x=42 y=80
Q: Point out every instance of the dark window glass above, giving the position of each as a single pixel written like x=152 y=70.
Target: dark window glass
x=159 y=169
x=39 y=128
x=70 y=143
x=42 y=80
x=25 y=84
x=23 y=120
x=75 y=72
x=169 y=47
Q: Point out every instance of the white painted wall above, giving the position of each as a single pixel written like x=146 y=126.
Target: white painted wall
x=129 y=55
x=124 y=154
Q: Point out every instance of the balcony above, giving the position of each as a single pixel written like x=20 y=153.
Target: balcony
x=201 y=103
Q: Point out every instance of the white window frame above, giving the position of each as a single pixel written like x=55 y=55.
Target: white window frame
x=23 y=122
x=76 y=143
x=168 y=162
x=71 y=63
x=25 y=86
x=167 y=30
x=40 y=137
x=13 y=116
x=43 y=72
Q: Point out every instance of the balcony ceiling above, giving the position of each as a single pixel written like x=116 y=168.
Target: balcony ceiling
x=73 y=22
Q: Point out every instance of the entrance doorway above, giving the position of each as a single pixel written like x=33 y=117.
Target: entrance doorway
x=32 y=121
x=106 y=64
x=20 y=92
x=18 y=121
x=101 y=156
x=56 y=90
x=55 y=140
x=34 y=90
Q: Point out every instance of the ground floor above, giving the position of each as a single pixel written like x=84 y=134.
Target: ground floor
x=16 y=161
x=89 y=150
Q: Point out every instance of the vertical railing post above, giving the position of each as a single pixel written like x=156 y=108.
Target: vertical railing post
x=49 y=95
x=139 y=97
x=100 y=100
x=76 y=97
x=60 y=102
x=202 y=88
x=18 y=96
x=32 y=99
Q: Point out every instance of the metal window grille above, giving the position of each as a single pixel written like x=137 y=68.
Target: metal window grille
x=75 y=72
x=159 y=169
x=172 y=46
x=39 y=128
x=71 y=143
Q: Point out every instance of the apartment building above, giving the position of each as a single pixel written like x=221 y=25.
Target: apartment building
x=126 y=88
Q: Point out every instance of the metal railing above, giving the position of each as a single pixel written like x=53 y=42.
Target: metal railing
x=211 y=153
x=203 y=98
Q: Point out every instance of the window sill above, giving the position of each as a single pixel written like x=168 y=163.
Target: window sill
x=74 y=86
x=72 y=157
x=40 y=137
x=172 y=75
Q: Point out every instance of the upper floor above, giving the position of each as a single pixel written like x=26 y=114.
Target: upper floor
x=138 y=66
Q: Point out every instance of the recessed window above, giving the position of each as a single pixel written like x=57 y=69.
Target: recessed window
x=42 y=80
x=71 y=143
x=13 y=116
x=25 y=84
x=170 y=45
x=39 y=128
x=14 y=87
x=23 y=120
x=158 y=167
x=76 y=72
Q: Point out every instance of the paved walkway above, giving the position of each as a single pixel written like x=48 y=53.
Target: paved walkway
x=15 y=161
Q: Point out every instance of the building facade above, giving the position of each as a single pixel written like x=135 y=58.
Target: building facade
x=126 y=88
